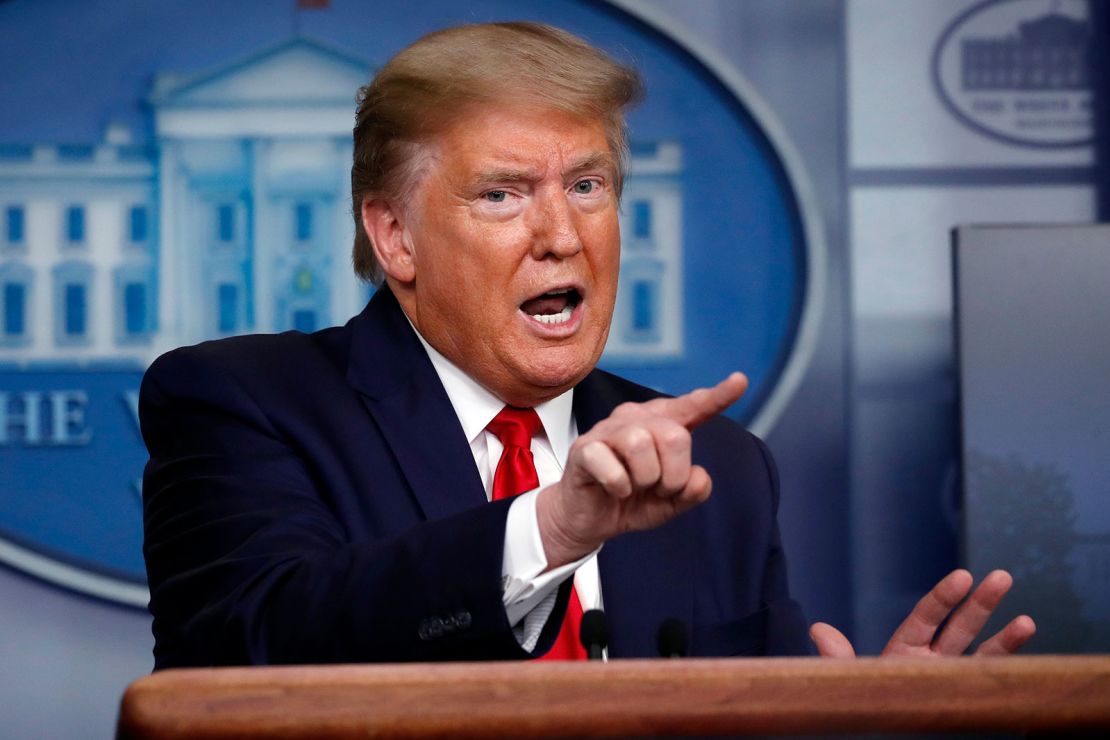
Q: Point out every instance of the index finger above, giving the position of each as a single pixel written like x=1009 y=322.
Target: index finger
x=697 y=406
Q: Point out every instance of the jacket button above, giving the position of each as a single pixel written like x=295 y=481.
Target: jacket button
x=462 y=619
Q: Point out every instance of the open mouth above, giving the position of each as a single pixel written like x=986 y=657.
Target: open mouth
x=553 y=307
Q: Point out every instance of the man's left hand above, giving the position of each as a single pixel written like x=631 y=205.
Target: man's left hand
x=918 y=636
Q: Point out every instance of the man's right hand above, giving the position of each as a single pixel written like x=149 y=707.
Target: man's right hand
x=632 y=471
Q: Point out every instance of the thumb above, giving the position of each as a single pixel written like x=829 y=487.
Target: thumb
x=830 y=642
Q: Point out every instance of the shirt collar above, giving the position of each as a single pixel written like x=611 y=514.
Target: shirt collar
x=475 y=406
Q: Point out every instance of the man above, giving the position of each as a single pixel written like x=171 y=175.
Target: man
x=326 y=497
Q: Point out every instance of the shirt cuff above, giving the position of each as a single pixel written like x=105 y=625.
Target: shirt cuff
x=524 y=584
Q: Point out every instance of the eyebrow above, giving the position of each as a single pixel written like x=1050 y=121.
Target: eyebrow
x=506 y=175
x=597 y=160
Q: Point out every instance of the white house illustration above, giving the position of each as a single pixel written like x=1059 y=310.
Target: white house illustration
x=236 y=218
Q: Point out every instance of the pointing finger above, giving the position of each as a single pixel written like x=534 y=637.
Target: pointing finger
x=702 y=404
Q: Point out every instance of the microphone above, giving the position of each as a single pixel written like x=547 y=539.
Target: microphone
x=594 y=633
x=672 y=640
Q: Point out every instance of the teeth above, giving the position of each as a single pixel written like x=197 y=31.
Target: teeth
x=560 y=291
x=554 y=318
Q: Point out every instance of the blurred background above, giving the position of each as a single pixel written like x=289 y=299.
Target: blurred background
x=176 y=171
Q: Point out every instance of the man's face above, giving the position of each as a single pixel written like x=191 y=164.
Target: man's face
x=516 y=250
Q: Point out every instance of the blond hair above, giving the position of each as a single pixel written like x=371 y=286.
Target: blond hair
x=426 y=86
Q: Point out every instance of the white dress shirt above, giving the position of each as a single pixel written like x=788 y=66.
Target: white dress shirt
x=528 y=592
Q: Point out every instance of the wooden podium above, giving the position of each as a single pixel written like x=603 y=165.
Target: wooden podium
x=624 y=698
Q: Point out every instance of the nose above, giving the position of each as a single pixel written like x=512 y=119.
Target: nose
x=555 y=230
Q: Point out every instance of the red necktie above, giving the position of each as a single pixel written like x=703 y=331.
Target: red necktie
x=516 y=473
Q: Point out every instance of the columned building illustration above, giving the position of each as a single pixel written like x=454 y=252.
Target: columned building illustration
x=254 y=173
x=1052 y=52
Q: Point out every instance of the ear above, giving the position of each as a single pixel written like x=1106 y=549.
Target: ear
x=389 y=239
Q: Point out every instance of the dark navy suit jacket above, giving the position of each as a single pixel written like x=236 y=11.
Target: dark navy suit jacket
x=312 y=498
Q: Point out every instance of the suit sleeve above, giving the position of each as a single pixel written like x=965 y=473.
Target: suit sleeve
x=742 y=606
x=786 y=629
x=249 y=564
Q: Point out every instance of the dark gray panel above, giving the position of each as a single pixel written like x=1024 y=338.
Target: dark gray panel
x=1033 y=308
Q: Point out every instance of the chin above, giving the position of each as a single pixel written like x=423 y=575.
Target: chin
x=559 y=371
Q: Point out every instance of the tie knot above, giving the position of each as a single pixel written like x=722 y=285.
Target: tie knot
x=515 y=427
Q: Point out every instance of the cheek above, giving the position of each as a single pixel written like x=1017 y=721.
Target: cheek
x=606 y=257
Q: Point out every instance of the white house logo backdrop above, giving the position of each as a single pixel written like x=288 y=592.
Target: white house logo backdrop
x=1028 y=85
x=192 y=183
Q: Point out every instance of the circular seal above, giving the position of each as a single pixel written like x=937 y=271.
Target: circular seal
x=1019 y=71
x=213 y=205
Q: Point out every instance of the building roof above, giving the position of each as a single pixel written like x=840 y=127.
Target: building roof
x=300 y=70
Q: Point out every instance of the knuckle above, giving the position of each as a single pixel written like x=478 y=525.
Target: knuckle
x=593 y=450
x=675 y=437
x=613 y=479
x=599 y=430
x=625 y=409
x=638 y=439
x=578 y=448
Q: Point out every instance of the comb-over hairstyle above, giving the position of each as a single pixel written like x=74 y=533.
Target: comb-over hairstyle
x=430 y=84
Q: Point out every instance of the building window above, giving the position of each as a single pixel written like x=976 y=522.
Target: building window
x=644 y=301
x=15 y=304
x=304 y=320
x=225 y=222
x=139 y=224
x=302 y=222
x=133 y=301
x=72 y=292
x=134 y=308
x=75 y=309
x=641 y=219
x=75 y=224
x=15 y=310
x=228 y=301
x=14 y=225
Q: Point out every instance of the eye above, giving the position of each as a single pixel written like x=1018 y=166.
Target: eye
x=585 y=187
x=496 y=196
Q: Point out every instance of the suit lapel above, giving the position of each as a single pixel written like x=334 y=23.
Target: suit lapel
x=646 y=577
x=403 y=393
